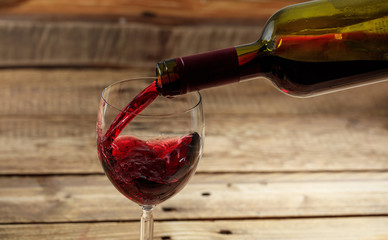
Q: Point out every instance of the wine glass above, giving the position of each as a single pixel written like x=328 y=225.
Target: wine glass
x=148 y=145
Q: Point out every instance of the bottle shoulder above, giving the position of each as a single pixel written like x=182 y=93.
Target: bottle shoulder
x=329 y=30
x=323 y=16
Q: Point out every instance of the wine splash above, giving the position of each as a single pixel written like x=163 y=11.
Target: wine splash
x=147 y=172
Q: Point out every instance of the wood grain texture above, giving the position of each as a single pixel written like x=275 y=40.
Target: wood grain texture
x=274 y=167
x=251 y=143
x=75 y=43
x=214 y=196
x=254 y=143
x=293 y=229
x=138 y=9
x=77 y=91
x=48 y=125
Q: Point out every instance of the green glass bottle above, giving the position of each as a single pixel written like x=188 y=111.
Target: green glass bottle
x=305 y=49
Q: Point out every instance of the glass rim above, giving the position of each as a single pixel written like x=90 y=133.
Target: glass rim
x=198 y=102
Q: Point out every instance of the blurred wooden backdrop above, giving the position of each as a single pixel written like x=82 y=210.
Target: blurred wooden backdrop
x=274 y=167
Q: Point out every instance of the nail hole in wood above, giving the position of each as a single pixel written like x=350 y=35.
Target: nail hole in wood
x=166 y=238
x=148 y=14
x=169 y=209
x=205 y=194
x=225 y=232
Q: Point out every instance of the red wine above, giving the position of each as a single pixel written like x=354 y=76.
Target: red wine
x=301 y=78
x=147 y=172
x=138 y=104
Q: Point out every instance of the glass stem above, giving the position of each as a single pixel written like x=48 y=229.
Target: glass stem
x=147 y=223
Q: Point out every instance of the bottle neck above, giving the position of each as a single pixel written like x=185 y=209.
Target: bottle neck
x=192 y=73
x=250 y=58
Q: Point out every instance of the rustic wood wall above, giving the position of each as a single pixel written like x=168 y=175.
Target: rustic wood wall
x=274 y=167
x=124 y=33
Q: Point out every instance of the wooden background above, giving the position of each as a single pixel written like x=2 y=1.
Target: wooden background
x=274 y=167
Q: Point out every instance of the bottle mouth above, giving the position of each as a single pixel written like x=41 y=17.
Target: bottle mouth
x=168 y=80
x=160 y=74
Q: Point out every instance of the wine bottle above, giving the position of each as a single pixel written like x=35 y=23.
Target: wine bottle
x=305 y=49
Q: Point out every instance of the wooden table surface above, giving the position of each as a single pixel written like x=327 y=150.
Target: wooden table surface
x=274 y=167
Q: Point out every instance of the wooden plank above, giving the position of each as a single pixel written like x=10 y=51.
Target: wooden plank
x=56 y=92
x=182 y=9
x=260 y=96
x=48 y=125
x=77 y=44
x=248 y=143
x=251 y=143
x=221 y=196
x=74 y=43
x=292 y=229
x=77 y=91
